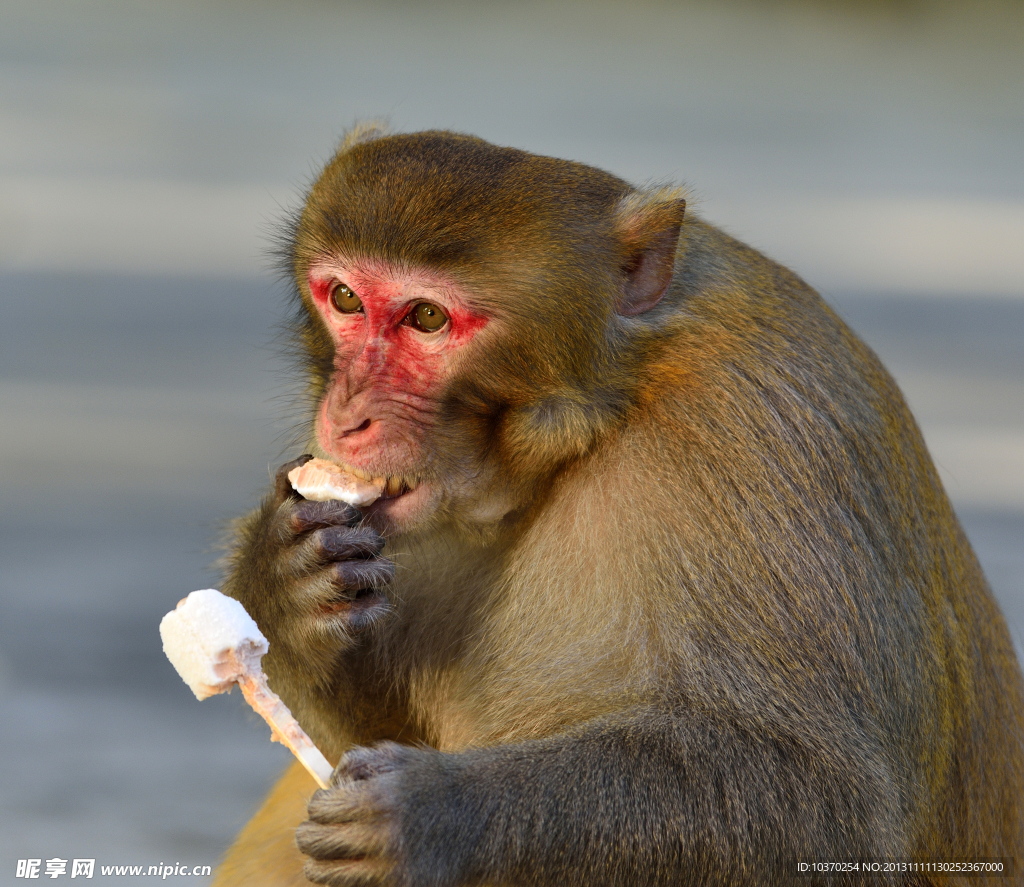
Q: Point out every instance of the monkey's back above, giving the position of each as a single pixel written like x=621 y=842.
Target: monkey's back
x=818 y=568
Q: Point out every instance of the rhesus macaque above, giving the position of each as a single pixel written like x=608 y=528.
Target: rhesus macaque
x=663 y=588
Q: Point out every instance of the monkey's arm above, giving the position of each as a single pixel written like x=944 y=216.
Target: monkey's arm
x=312 y=576
x=648 y=798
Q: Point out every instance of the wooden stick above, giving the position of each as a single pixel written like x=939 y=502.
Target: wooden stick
x=283 y=727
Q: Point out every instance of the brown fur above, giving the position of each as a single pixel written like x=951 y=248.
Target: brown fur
x=720 y=541
x=265 y=851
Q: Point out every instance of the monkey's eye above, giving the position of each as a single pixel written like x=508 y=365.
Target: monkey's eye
x=344 y=300
x=427 y=317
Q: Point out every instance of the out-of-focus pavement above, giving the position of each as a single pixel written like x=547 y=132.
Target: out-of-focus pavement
x=148 y=149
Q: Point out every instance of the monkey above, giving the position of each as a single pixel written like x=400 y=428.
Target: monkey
x=663 y=587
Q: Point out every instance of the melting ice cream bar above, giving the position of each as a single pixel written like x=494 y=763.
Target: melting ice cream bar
x=320 y=480
x=214 y=644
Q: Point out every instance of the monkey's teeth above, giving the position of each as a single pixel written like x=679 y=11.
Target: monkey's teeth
x=360 y=473
x=390 y=486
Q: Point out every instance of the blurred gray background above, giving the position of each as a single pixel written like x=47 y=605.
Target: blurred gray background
x=147 y=152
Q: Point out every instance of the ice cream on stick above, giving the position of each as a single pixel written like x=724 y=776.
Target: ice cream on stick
x=214 y=644
x=321 y=480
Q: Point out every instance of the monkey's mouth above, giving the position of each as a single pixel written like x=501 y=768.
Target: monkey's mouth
x=403 y=501
x=392 y=486
x=394 y=514
x=395 y=487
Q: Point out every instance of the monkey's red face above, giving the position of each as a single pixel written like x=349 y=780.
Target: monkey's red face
x=397 y=337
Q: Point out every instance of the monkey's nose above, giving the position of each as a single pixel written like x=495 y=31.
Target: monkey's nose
x=363 y=426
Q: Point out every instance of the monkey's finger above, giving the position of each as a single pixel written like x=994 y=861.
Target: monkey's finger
x=364 y=763
x=347 y=873
x=342 y=841
x=342 y=543
x=346 y=801
x=319 y=515
x=282 y=486
x=355 y=575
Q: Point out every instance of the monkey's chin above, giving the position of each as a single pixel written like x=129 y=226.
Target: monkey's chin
x=401 y=514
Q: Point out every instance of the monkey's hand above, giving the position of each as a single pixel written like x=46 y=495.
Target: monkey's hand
x=299 y=560
x=351 y=836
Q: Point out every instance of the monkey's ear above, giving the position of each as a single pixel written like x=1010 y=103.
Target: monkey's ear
x=648 y=226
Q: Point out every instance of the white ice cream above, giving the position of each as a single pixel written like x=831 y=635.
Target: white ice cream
x=212 y=642
x=320 y=481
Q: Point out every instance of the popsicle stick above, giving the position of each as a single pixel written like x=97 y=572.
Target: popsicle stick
x=214 y=644
x=284 y=728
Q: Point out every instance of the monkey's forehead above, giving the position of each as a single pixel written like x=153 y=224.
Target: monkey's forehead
x=440 y=199
x=462 y=164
